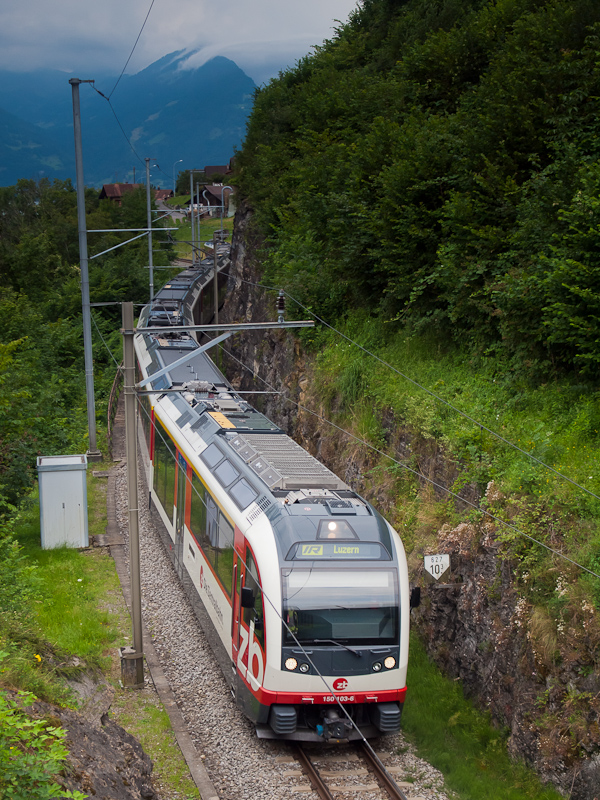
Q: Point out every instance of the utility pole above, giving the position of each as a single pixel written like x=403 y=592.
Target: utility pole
x=149 y=219
x=198 y=234
x=192 y=215
x=192 y=210
x=93 y=453
x=177 y=162
x=216 y=278
x=132 y=658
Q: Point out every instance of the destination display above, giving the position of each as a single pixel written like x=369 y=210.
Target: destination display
x=313 y=551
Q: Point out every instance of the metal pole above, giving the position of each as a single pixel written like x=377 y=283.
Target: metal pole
x=132 y=659
x=192 y=209
x=177 y=162
x=149 y=218
x=198 y=235
x=216 y=278
x=93 y=453
x=222 y=190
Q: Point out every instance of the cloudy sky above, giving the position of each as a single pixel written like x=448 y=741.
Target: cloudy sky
x=84 y=36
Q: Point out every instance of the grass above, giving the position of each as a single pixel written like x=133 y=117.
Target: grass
x=460 y=741
x=142 y=715
x=79 y=620
x=183 y=234
x=557 y=423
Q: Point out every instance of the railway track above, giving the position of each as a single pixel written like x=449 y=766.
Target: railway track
x=355 y=773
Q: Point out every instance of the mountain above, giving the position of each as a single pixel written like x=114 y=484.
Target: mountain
x=166 y=112
x=29 y=151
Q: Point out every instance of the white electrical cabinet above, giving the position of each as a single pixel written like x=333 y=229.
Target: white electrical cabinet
x=63 y=501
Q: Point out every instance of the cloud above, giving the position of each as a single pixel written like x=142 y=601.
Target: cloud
x=85 y=36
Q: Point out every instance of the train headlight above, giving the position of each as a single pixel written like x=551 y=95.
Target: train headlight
x=390 y=662
x=376 y=666
x=291 y=664
x=304 y=667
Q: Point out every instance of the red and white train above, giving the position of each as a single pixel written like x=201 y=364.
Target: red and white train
x=300 y=585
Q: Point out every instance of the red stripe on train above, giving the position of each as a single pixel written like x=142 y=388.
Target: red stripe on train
x=267 y=697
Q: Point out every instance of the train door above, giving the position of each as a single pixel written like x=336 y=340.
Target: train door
x=248 y=645
x=238 y=581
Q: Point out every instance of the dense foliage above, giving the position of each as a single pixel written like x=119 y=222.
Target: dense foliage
x=437 y=161
x=42 y=383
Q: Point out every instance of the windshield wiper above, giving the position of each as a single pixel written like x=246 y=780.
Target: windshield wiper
x=339 y=644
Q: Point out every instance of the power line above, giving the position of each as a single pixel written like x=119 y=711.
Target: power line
x=417 y=474
x=132 y=50
x=133 y=150
x=104 y=342
x=412 y=471
x=428 y=391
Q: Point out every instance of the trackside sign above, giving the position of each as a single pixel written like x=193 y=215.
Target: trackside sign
x=437 y=566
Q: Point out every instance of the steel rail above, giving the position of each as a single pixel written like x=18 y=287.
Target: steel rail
x=313 y=774
x=384 y=778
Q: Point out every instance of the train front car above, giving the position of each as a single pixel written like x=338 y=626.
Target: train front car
x=300 y=585
x=337 y=646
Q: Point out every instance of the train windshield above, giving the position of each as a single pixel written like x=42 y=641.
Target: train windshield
x=347 y=606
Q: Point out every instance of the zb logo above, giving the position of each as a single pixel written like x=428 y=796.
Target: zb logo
x=312 y=549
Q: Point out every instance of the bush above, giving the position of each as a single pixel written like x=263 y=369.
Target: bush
x=31 y=753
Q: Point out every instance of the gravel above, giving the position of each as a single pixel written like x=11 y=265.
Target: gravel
x=241 y=766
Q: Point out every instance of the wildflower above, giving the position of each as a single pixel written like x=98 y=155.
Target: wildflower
x=39 y=658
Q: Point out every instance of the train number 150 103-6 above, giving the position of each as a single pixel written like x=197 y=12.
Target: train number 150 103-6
x=343 y=698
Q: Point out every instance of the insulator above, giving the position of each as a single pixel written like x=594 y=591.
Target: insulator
x=280 y=304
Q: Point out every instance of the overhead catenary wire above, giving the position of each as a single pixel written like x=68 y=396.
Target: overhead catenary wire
x=417 y=474
x=413 y=471
x=132 y=148
x=132 y=50
x=104 y=342
x=437 y=397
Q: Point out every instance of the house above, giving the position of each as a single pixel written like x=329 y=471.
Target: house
x=218 y=169
x=209 y=198
x=162 y=194
x=115 y=191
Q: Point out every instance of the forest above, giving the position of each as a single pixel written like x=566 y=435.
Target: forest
x=437 y=163
x=42 y=393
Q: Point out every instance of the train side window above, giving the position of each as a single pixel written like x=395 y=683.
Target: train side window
x=256 y=613
x=164 y=470
x=198 y=512
x=146 y=418
x=212 y=530
x=225 y=553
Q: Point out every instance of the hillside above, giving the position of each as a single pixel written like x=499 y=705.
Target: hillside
x=427 y=183
x=437 y=161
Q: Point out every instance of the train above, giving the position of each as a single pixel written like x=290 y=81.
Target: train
x=299 y=584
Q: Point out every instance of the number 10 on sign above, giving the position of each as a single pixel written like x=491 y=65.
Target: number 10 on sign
x=437 y=565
